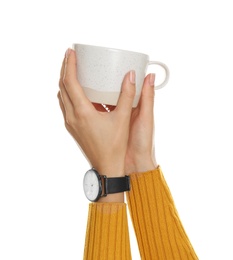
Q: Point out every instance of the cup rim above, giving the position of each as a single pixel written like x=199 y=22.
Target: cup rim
x=110 y=48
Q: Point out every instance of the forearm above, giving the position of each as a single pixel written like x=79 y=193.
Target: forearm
x=159 y=231
x=107 y=235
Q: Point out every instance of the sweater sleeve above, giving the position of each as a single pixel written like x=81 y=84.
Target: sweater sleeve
x=157 y=225
x=107 y=235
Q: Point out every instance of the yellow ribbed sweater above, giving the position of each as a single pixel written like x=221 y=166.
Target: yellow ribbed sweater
x=158 y=229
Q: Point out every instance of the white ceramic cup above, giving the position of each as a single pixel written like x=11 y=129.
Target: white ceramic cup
x=101 y=71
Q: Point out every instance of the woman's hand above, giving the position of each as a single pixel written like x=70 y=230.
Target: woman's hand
x=102 y=136
x=140 y=151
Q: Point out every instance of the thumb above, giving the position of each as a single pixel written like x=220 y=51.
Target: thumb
x=146 y=102
x=125 y=101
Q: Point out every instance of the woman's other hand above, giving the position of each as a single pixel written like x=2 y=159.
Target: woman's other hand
x=140 y=155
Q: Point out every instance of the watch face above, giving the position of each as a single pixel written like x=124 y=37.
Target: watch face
x=92 y=185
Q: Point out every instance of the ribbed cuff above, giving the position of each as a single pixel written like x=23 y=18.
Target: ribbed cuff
x=159 y=231
x=107 y=235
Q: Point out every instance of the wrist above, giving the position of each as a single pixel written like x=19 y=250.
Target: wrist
x=141 y=165
x=110 y=170
x=116 y=197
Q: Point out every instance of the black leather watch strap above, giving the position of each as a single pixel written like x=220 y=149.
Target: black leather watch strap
x=116 y=185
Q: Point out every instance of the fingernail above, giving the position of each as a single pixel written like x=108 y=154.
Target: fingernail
x=67 y=52
x=152 y=79
x=132 y=77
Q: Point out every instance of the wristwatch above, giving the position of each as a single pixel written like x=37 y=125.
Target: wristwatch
x=96 y=186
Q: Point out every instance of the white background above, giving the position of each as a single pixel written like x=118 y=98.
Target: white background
x=43 y=211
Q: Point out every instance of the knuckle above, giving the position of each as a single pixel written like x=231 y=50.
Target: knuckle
x=148 y=95
x=67 y=126
x=130 y=93
x=65 y=80
x=78 y=118
x=60 y=83
x=77 y=114
x=69 y=121
x=81 y=112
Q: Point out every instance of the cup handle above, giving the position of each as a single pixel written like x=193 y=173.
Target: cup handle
x=166 y=71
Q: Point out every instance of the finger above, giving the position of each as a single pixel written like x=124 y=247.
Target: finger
x=61 y=85
x=62 y=68
x=72 y=86
x=125 y=101
x=146 y=103
x=61 y=105
x=63 y=93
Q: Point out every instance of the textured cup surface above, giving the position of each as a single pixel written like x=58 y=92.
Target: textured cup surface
x=101 y=71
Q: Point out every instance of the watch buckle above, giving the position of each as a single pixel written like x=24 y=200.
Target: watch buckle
x=104 y=185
